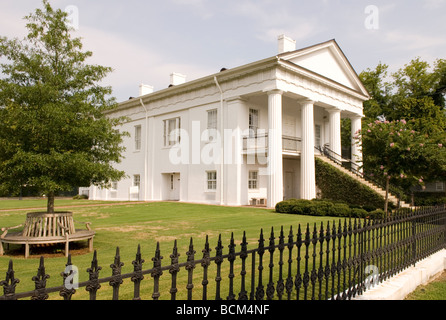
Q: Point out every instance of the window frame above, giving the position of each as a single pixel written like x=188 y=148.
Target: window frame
x=254 y=120
x=138 y=138
x=211 y=181
x=212 y=125
x=253 y=182
x=169 y=133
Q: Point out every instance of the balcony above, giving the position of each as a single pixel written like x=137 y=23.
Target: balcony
x=258 y=144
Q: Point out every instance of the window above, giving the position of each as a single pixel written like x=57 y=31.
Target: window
x=172 y=132
x=136 y=180
x=439 y=186
x=317 y=136
x=211 y=180
x=252 y=180
x=114 y=185
x=253 y=122
x=137 y=138
x=212 y=125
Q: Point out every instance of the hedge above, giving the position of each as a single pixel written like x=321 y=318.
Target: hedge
x=326 y=208
x=338 y=186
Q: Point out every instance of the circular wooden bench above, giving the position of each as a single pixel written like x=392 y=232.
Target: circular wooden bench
x=47 y=228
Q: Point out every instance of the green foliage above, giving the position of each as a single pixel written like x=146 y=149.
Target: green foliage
x=397 y=151
x=53 y=131
x=326 y=208
x=336 y=185
x=405 y=124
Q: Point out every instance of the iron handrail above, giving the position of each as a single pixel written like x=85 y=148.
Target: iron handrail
x=356 y=169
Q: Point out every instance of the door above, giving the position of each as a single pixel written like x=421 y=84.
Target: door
x=174 y=187
x=289 y=185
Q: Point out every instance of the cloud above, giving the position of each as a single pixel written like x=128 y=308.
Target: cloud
x=272 y=20
x=410 y=41
x=434 y=4
x=133 y=62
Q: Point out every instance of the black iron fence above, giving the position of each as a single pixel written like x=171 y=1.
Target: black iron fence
x=338 y=260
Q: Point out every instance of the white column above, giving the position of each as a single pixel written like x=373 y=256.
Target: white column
x=275 y=161
x=356 y=149
x=236 y=115
x=335 y=130
x=308 y=171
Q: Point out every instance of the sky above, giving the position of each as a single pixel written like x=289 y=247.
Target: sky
x=145 y=41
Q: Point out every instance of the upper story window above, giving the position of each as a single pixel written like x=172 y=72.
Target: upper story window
x=172 y=132
x=317 y=136
x=253 y=122
x=137 y=138
x=212 y=125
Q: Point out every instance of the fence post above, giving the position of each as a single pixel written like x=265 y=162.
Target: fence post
x=414 y=239
x=205 y=262
x=260 y=292
x=243 y=295
x=137 y=274
x=116 y=274
x=67 y=293
x=93 y=284
x=231 y=259
x=270 y=286
x=40 y=282
x=218 y=262
x=173 y=270
x=156 y=272
x=190 y=269
x=10 y=283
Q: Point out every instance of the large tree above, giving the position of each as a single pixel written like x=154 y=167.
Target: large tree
x=403 y=136
x=398 y=155
x=53 y=131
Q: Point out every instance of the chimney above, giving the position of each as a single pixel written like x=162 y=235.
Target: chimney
x=177 y=79
x=145 y=89
x=286 y=44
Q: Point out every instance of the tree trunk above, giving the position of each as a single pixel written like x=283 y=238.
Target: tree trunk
x=50 y=203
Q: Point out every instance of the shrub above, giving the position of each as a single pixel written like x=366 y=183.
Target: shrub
x=377 y=214
x=336 y=185
x=286 y=206
x=325 y=208
x=80 y=197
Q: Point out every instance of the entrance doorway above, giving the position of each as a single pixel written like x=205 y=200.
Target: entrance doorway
x=173 y=186
x=289 y=185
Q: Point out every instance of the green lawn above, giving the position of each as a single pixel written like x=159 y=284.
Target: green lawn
x=127 y=225
x=41 y=203
x=435 y=290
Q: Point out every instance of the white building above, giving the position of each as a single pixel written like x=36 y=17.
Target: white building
x=241 y=134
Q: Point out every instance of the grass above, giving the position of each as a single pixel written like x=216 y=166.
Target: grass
x=41 y=203
x=434 y=290
x=127 y=225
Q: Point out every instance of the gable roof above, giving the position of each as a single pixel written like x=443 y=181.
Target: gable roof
x=328 y=60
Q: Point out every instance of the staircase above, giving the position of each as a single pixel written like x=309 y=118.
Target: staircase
x=336 y=161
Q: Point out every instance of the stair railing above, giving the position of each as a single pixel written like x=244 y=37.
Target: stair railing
x=356 y=169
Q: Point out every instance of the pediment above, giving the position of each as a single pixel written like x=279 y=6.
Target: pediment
x=327 y=60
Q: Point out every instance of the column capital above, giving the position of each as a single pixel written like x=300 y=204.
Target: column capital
x=356 y=117
x=306 y=101
x=333 y=110
x=273 y=91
